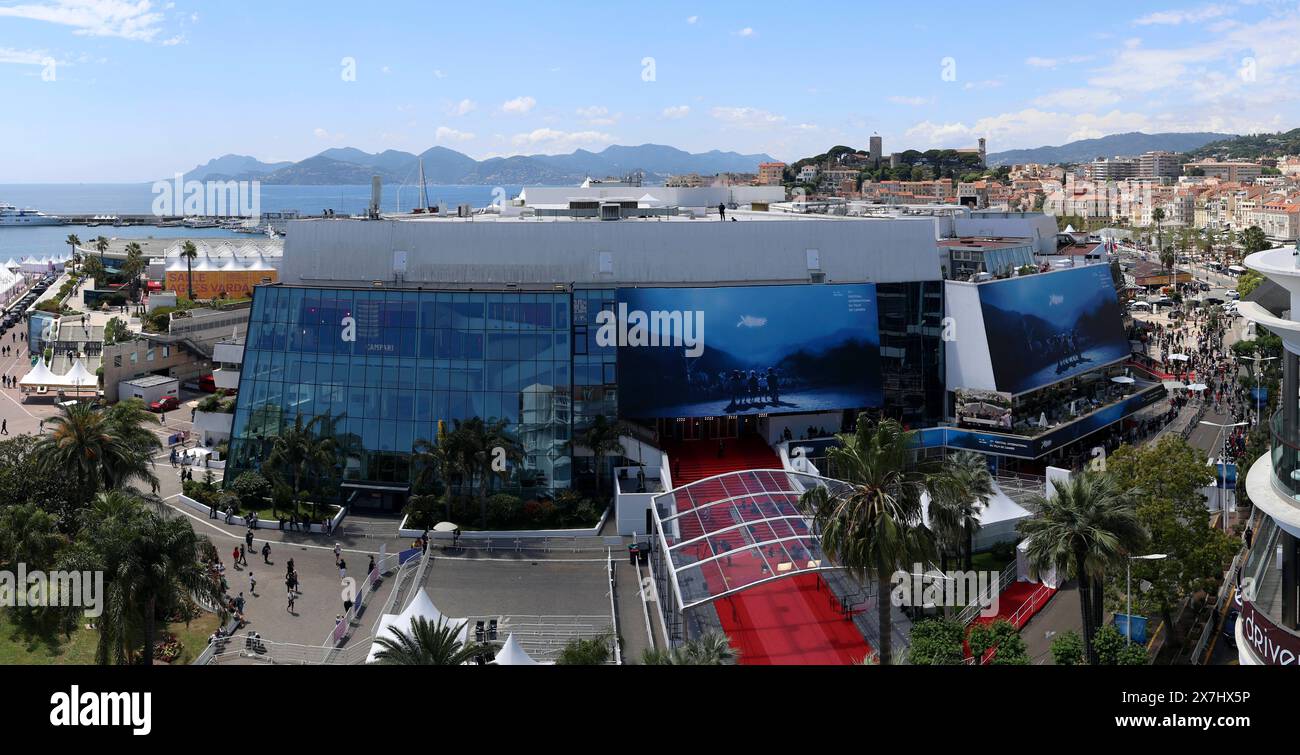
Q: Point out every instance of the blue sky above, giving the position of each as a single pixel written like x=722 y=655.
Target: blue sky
x=142 y=89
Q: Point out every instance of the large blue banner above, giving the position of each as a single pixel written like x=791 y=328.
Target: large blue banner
x=699 y=352
x=1047 y=327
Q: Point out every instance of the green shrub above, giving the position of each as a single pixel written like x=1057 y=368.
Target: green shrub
x=1067 y=649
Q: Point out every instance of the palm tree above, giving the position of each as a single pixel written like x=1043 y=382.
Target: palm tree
x=134 y=265
x=74 y=241
x=955 y=511
x=426 y=644
x=97 y=449
x=472 y=446
x=101 y=245
x=189 y=253
x=602 y=438
x=151 y=563
x=29 y=535
x=303 y=452
x=1158 y=215
x=871 y=525
x=712 y=649
x=1086 y=526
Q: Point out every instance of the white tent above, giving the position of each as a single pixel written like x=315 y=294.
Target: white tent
x=421 y=606
x=40 y=377
x=511 y=654
x=81 y=378
x=1025 y=572
x=998 y=519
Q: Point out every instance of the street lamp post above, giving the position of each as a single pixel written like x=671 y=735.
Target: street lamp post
x=1222 y=471
x=1128 y=589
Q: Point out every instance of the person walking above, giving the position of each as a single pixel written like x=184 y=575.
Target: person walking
x=343 y=569
x=289 y=607
x=248 y=538
x=4 y=427
x=252 y=585
x=338 y=553
x=234 y=556
x=266 y=553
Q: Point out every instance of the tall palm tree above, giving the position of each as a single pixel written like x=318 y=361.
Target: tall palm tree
x=425 y=644
x=871 y=525
x=134 y=265
x=1158 y=215
x=1086 y=526
x=101 y=246
x=602 y=438
x=74 y=241
x=955 y=510
x=712 y=649
x=96 y=449
x=189 y=253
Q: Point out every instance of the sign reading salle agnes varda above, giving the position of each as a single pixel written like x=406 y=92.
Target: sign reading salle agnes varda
x=745 y=350
x=1047 y=327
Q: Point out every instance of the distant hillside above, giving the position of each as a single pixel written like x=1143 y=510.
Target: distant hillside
x=229 y=166
x=1127 y=145
x=1254 y=146
x=351 y=166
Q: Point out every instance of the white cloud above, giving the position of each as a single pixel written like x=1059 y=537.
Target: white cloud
x=1037 y=62
x=1079 y=98
x=464 y=107
x=677 y=112
x=549 y=137
x=1030 y=127
x=985 y=84
x=327 y=136
x=748 y=31
x=22 y=57
x=519 y=105
x=445 y=134
x=692 y=19
x=94 y=18
x=911 y=101
x=597 y=115
x=747 y=117
x=1177 y=17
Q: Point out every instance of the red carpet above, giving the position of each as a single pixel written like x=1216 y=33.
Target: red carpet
x=1019 y=603
x=794 y=621
x=1016 y=605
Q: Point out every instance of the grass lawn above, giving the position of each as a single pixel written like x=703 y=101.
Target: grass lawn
x=18 y=648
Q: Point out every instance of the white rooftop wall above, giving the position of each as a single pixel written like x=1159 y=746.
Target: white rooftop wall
x=707 y=196
x=641 y=252
x=1041 y=228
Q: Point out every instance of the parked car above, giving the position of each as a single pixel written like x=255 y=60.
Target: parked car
x=165 y=404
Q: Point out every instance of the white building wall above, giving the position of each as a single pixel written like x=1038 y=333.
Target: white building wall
x=591 y=252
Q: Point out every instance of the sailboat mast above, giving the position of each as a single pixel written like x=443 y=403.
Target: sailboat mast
x=424 y=190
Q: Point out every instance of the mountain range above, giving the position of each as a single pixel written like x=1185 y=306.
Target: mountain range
x=344 y=166
x=1127 y=145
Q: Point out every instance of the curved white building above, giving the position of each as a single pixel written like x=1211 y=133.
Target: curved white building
x=1268 y=630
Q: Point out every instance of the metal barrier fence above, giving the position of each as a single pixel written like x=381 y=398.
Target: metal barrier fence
x=1005 y=578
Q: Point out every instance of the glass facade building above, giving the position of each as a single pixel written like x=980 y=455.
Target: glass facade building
x=387 y=366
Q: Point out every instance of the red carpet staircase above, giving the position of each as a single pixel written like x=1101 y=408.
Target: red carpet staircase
x=792 y=621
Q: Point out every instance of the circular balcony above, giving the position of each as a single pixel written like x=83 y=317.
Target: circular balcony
x=1285 y=453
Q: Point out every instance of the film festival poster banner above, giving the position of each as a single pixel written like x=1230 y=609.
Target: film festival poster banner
x=1048 y=327
x=746 y=350
x=983 y=409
